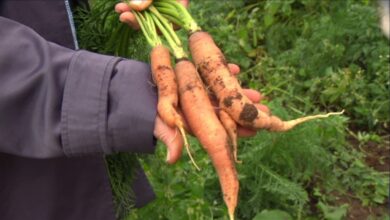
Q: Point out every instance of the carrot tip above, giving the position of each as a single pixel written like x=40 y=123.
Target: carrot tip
x=231 y=216
x=291 y=124
x=181 y=129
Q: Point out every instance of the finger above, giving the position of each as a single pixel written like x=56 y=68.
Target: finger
x=139 y=5
x=171 y=138
x=121 y=7
x=184 y=2
x=263 y=108
x=129 y=18
x=253 y=95
x=175 y=147
x=245 y=132
x=234 y=69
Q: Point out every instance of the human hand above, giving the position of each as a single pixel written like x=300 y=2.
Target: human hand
x=173 y=140
x=126 y=16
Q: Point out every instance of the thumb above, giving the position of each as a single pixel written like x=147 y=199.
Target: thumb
x=171 y=138
x=139 y=5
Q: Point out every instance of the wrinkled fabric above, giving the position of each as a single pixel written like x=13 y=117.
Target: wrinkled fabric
x=61 y=110
x=54 y=189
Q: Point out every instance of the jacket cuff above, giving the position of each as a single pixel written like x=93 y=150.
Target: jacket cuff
x=132 y=108
x=84 y=106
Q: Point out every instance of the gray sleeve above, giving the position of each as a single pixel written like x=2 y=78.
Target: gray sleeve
x=55 y=101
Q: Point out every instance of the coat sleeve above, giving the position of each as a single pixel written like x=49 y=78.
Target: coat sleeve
x=55 y=101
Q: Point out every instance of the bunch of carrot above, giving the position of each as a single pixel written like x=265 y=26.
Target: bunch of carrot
x=182 y=88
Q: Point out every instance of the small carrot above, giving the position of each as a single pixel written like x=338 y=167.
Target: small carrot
x=164 y=77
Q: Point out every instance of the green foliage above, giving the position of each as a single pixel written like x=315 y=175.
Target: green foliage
x=272 y=215
x=276 y=172
x=333 y=213
x=99 y=30
x=121 y=168
x=307 y=57
x=332 y=54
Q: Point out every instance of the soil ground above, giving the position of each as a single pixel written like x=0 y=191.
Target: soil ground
x=378 y=157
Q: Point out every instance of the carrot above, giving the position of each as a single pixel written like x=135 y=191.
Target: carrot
x=165 y=80
x=234 y=106
x=164 y=77
x=196 y=106
x=213 y=68
x=231 y=128
x=211 y=134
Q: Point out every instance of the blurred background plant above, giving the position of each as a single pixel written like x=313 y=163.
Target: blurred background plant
x=306 y=57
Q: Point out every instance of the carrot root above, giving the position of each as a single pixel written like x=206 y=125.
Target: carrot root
x=231 y=128
x=187 y=145
x=287 y=125
x=231 y=215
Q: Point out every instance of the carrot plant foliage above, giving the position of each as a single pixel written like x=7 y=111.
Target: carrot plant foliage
x=311 y=55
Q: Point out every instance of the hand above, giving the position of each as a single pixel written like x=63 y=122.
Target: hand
x=173 y=140
x=126 y=16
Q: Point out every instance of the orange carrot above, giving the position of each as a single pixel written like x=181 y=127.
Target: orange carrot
x=231 y=128
x=206 y=126
x=165 y=80
x=213 y=68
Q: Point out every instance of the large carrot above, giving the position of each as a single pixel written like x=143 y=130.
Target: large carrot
x=206 y=126
x=201 y=117
x=214 y=70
